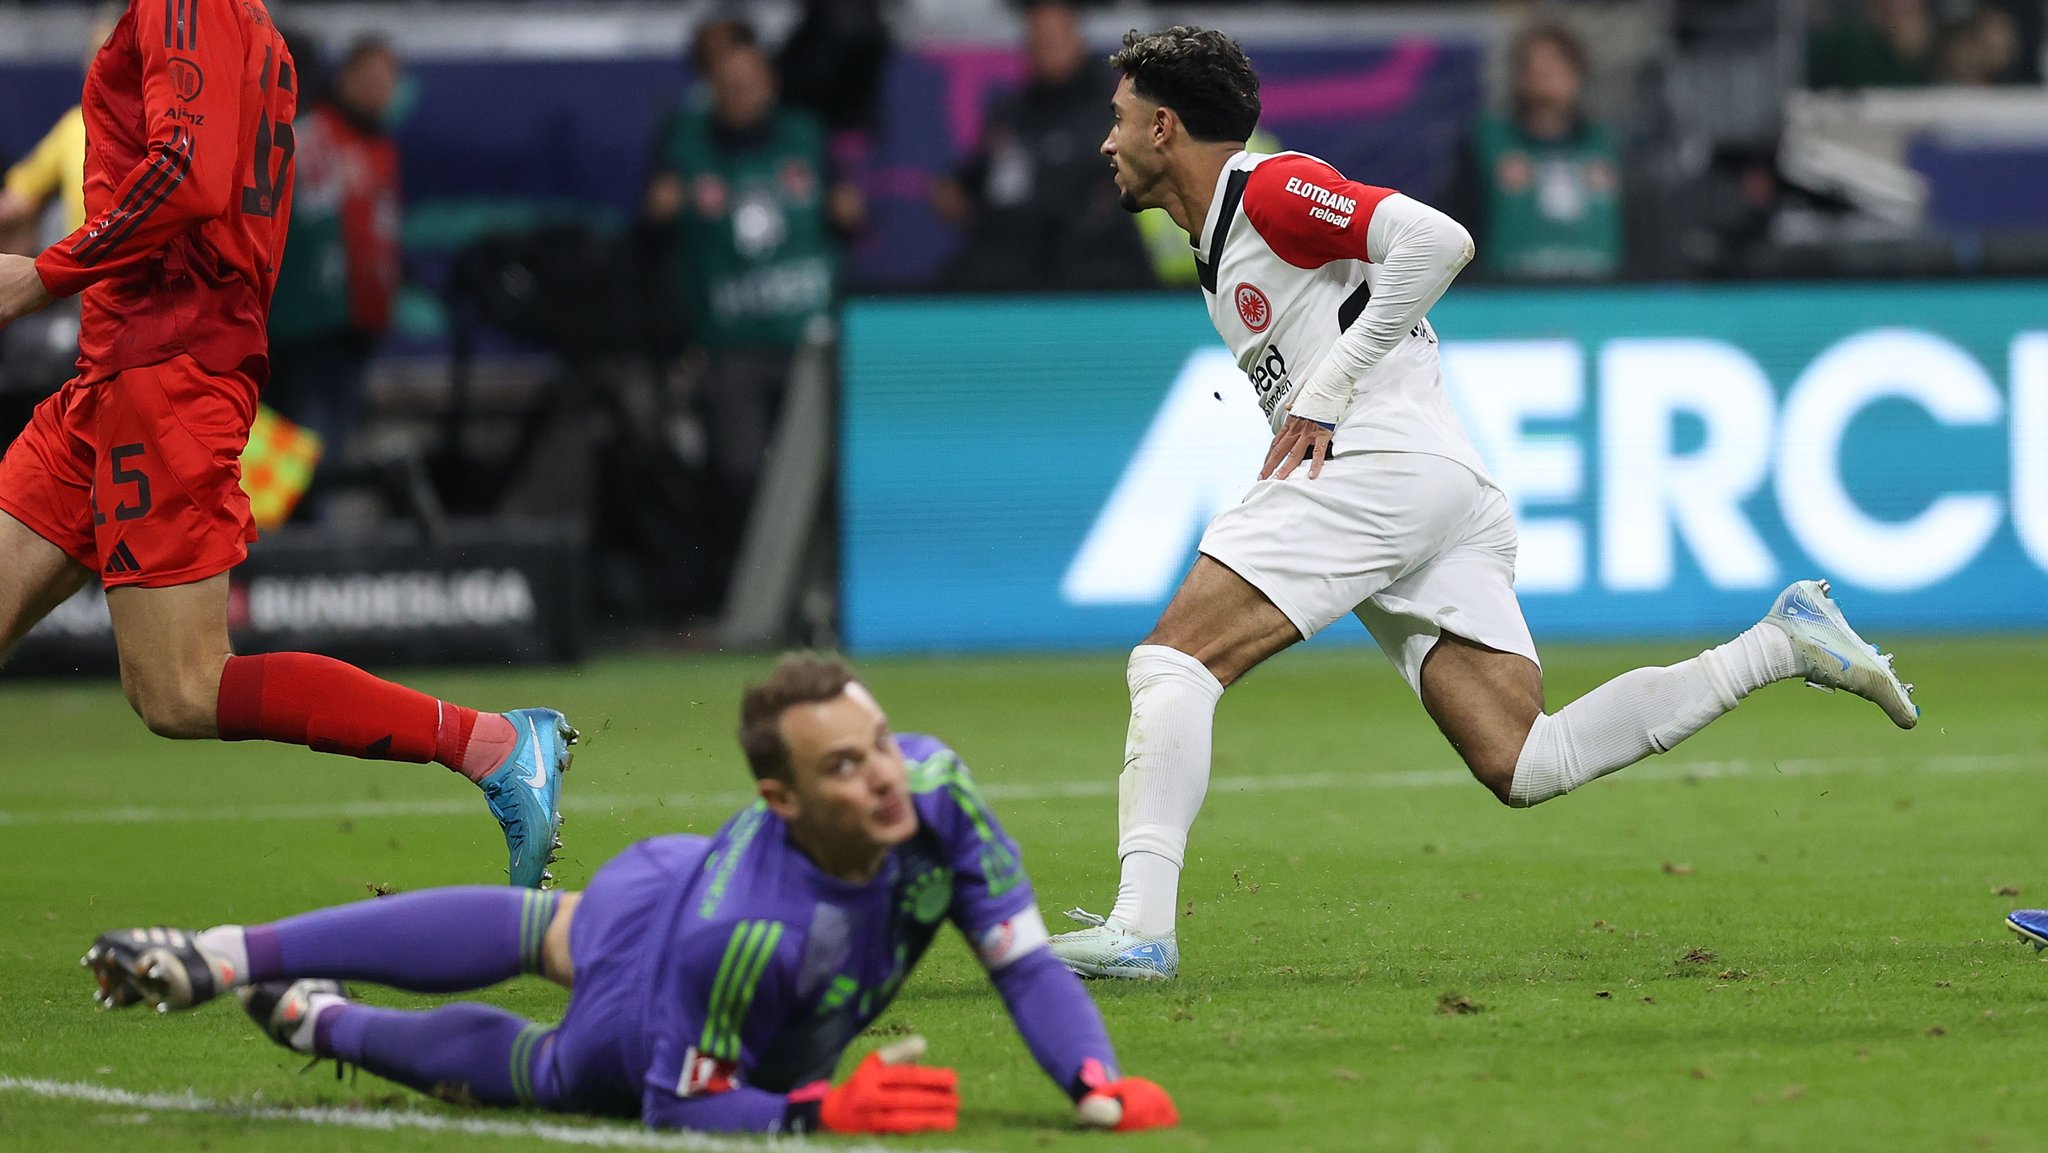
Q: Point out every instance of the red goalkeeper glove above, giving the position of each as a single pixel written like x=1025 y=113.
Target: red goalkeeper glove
x=889 y=1093
x=1127 y=1105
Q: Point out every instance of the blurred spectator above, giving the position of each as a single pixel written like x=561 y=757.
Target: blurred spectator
x=1873 y=44
x=2030 y=25
x=341 y=270
x=1034 y=199
x=709 y=43
x=743 y=189
x=832 y=63
x=38 y=352
x=54 y=170
x=1982 y=48
x=1540 y=187
x=1733 y=210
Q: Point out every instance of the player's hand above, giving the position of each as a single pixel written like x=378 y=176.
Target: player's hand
x=21 y=289
x=1300 y=439
x=1127 y=1105
x=890 y=1093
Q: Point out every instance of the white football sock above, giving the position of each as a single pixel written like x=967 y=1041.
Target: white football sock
x=1151 y=883
x=226 y=944
x=1166 y=774
x=1760 y=655
x=1645 y=711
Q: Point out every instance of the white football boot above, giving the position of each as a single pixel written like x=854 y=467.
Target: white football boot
x=284 y=1009
x=1106 y=949
x=163 y=967
x=1833 y=657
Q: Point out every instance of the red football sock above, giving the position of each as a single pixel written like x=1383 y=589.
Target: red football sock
x=332 y=707
x=490 y=743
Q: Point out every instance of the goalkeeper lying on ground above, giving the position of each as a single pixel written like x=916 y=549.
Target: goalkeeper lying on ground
x=715 y=981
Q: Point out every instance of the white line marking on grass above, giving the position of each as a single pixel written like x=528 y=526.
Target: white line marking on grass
x=1105 y=786
x=390 y=1120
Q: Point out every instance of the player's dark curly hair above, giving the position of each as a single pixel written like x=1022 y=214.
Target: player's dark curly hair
x=1200 y=73
x=798 y=679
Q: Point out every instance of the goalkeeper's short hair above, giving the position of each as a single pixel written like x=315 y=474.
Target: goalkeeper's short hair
x=797 y=679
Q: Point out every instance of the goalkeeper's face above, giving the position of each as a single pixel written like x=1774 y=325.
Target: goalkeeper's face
x=1132 y=147
x=849 y=791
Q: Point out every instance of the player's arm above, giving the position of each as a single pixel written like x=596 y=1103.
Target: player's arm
x=1311 y=216
x=743 y=997
x=192 y=61
x=888 y=1092
x=1419 y=251
x=736 y=986
x=995 y=909
x=736 y=1109
x=1063 y=1030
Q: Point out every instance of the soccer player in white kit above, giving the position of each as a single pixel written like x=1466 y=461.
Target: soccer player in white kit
x=1371 y=500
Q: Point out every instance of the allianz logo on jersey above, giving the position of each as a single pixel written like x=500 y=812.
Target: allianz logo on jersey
x=1754 y=459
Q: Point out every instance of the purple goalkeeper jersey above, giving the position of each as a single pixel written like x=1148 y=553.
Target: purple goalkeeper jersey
x=761 y=968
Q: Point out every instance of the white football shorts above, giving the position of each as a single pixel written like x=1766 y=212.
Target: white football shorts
x=1415 y=545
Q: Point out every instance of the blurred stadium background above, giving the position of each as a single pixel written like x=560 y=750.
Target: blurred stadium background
x=1764 y=300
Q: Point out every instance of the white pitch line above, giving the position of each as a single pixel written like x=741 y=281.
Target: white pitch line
x=388 y=1120
x=1106 y=786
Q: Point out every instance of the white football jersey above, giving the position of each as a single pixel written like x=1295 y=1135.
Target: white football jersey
x=1286 y=262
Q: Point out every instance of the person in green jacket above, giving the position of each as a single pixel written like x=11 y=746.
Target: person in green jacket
x=752 y=215
x=1540 y=190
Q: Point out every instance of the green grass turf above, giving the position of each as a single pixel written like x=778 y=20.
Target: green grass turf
x=1785 y=935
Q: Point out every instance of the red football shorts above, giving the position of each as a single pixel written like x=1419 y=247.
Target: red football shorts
x=138 y=476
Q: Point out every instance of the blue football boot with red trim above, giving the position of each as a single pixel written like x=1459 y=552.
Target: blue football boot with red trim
x=524 y=794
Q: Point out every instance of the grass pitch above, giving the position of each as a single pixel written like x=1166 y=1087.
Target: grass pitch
x=1785 y=935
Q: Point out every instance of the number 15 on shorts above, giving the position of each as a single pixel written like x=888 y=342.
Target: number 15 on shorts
x=131 y=483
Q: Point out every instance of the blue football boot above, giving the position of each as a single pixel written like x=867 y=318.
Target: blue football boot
x=1832 y=656
x=2031 y=925
x=523 y=791
x=1107 y=949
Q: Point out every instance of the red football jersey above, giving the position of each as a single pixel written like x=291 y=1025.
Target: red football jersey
x=188 y=125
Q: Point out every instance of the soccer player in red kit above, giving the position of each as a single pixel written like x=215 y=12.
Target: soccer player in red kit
x=131 y=472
